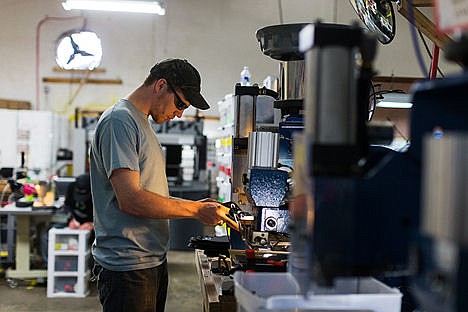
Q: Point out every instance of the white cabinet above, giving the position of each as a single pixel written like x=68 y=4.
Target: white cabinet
x=67 y=266
x=36 y=134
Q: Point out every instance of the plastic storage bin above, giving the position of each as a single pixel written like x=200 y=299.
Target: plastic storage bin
x=68 y=259
x=65 y=284
x=252 y=290
x=66 y=263
x=257 y=292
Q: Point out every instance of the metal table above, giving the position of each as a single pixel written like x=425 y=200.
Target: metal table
x=23 y=220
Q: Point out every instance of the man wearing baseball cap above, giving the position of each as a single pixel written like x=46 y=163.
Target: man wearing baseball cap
x=182 y=74
x=130 y=194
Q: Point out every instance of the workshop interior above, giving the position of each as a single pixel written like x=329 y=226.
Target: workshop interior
x=337 y=137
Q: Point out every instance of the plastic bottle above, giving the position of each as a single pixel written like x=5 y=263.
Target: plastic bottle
x=245 y=78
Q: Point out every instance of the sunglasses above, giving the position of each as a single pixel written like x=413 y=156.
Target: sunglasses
x=178 y=103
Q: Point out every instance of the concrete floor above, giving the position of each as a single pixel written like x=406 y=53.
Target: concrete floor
x=183 y=294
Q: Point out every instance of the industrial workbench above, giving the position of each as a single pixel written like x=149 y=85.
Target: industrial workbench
x=22 y=250
x=214 y=299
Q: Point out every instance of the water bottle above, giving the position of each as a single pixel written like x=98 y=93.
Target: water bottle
x=245 y=77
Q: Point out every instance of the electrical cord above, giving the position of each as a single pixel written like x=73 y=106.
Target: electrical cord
x=394 y=126
x=425 y=44
x=428 y=51
x=377 y=95
x=380 y=92
x=280 y=11
x=372 y=102
x=416 y=47
x=73 y=96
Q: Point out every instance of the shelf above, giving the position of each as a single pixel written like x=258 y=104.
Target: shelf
x=65 y=273
x=68 y=272
x=69 y=295
x=70 y=253
x=67 y=253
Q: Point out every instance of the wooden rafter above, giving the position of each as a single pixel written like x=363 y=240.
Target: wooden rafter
x=96 y=70
x=422 y=23
x=81 y=80
x=423 y=3
x=14 y=104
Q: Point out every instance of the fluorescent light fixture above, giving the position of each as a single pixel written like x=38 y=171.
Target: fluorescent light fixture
x=151 y=7
x=395 y=100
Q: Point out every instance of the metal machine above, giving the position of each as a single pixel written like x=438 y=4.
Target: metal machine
x=259 y=184
x=262 y=145
x=349 y=215
x=359 y=203
x=440 y=253
x=357 y=209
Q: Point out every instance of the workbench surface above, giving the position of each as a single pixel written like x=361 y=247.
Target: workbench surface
x=211 y=286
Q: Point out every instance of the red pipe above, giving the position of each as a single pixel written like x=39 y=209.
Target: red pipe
x=434 y=62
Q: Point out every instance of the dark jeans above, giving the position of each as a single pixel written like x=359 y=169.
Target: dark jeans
x=136 y=291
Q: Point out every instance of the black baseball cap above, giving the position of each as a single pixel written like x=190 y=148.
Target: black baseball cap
x=181 y=74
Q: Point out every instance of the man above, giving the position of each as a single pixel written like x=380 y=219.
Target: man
x=79 y=202
x=130 y=192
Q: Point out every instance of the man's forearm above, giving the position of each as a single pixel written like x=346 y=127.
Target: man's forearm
x=151 y=205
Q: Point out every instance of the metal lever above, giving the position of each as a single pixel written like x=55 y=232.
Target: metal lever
x=241 y=218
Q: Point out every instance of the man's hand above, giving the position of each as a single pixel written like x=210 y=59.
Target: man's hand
x=212 y=212
x=73 y=224
x=87 y=226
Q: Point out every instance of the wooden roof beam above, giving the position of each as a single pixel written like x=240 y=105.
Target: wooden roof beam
x=422 y=23
x=423 y=3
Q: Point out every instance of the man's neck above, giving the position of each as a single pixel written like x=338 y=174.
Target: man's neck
x=141 y=98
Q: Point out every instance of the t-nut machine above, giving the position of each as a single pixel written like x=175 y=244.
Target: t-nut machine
x=264 y=125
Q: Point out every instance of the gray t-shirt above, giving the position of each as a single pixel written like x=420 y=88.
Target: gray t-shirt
x=124 y=139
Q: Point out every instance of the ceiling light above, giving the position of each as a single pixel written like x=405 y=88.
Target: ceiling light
x=395 y=100
x=152 y=7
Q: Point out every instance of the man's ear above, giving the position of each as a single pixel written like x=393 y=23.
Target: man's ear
x=159 y=84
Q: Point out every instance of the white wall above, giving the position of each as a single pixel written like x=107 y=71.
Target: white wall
x=217 y=36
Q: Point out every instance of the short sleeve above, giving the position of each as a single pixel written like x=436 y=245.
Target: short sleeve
x=119 y=146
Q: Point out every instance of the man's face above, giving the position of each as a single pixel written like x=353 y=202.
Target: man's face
x=169 y=103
